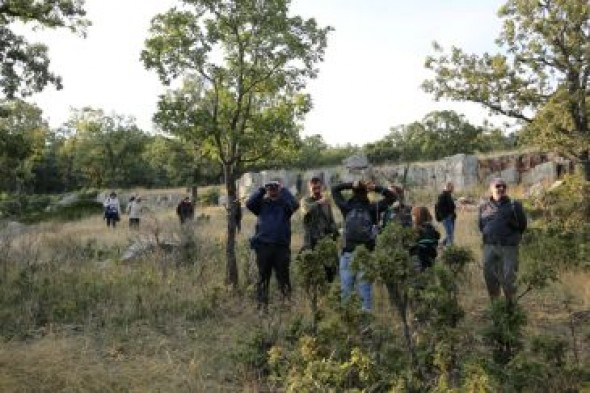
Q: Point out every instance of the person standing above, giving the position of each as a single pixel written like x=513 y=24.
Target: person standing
x=502 y=222
x=361 y=219
x=274 y=205
x=318 y=220
x=112 y=209
x=444 y=210
x=134 y=210
x=425 y=248
x=185 y=210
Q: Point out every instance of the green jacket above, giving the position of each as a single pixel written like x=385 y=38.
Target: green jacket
x=318 y=221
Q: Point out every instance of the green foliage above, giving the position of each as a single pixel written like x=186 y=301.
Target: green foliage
x=505 y=335
x=540 y=77
x=245 y=65
x=559 y=239
x=22 y=138
x=25 y=66
x=311 y=265
x=209 y=197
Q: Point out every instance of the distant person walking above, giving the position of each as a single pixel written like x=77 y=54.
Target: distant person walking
x=502 y=222
x=361 y=219
x=134 y=210
x=444 y=210
x=185 y=210
x=274 y=205
x=112 y=209
x=318 y=220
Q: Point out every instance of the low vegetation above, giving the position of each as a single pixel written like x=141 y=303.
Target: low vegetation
x=75 y=317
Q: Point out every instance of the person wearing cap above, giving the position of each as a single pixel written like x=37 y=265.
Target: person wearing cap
x=353 y=210
x=273 y=205
x=112 y=209
x=444 y=210
x=185 y=210
x=502 y=221
x=318 y=220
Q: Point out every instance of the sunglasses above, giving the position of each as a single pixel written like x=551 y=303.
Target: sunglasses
x=501 y=186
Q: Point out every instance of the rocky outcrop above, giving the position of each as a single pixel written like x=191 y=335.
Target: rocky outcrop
x=463 y=170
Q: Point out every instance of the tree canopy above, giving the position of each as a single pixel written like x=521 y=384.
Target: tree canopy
x=539 y=77
x=251 y=59
x=24 y=66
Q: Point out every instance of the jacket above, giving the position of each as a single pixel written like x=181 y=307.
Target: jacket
x=445 y=206
x=274 y=217
x=112 y=205
x=134 y=209
x=318 y=221
x=502 y=222
x=426 y=246
x=375 y=209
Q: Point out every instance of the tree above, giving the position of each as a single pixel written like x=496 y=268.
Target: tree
x=24 y=67
x=22 y=137
x=252 y=61
x=107 y=148
x=540 y=78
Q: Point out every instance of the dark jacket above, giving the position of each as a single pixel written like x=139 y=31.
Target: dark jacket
x=502 y=222
x=274 y=217
x=375 y=209
x=426 y=246
x=185 y=209
x=445 y=206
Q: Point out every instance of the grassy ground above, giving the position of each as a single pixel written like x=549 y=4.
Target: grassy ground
x=74 y=318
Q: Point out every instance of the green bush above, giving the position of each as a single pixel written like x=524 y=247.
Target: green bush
x=209 y=197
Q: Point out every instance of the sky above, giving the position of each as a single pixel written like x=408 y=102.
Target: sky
x=369 y=82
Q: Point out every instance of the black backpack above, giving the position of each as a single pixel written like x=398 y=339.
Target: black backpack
x=358 y=226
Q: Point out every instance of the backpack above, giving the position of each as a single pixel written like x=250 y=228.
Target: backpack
x=358 y=226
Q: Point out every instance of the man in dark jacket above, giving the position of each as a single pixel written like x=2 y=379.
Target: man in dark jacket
x=185 y=210
x=444 y=210
x=501 y=222
x=361 y=218
x=274 y=206
x=318 y=220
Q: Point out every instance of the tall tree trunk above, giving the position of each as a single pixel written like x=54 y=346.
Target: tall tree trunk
x=231 y=273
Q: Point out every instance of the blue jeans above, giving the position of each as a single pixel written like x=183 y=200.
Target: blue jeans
x=449 y=225
x=348 y=279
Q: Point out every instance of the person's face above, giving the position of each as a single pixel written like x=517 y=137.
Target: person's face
x=498 y=190
x=315 y=188
x=272 y=192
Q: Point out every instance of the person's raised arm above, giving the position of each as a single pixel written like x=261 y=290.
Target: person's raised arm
x=337 y=194
x=254 y=203
x=388 y=198
x=290 y=201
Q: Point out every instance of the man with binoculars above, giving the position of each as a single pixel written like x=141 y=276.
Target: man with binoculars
x=273 y=205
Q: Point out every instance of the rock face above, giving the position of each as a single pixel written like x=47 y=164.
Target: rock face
x=463 y=170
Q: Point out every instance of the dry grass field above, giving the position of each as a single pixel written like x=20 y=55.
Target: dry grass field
x=75 y=318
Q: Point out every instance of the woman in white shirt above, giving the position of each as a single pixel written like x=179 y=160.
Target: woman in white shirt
x=134 y=212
